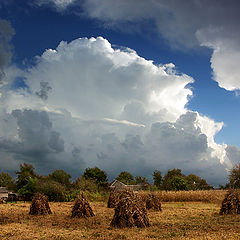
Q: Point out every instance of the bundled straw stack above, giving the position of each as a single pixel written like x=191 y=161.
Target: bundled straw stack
x=113 y=199
x=40 y=205
x=153 y=202
x=130 y=211
x=231 y=203
x=82 y=207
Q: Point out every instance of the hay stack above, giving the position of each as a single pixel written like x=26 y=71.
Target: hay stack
x=40 y=205
x=153 y=202
x=113 y=199
x=231 y=203
x=130 y=211
x=82 y=207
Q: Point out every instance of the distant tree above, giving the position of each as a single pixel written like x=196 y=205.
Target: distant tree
x=24 y=174
x=141 y=180
x=84 y=184
x=196 y=183
x=60 y=176
x=177 y=183
x=166 y=183
x=193 y=181
x=234 y=177
x=126 y=178
x=6 y=180
x=96 y=174
x=157 y=179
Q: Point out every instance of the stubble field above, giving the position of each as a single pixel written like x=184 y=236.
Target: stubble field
x=178 y=220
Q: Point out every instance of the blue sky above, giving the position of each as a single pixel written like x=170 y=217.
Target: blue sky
x=197 y=42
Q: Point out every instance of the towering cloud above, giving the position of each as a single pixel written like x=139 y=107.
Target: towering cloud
x=89 y=104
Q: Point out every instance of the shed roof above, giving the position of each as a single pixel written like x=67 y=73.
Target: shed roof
x=3 y=190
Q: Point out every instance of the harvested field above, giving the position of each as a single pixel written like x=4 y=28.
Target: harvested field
x=180 y=220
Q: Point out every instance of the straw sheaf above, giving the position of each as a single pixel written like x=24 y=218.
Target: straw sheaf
x=130 y=211
x=82 y=207
x=231 y=203
x=40 y=205
x=113 y=199
x=153 y=202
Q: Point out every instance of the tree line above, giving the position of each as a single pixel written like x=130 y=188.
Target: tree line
x=59 y=187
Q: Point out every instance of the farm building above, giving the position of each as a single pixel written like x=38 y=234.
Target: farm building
x=4 y=193
x=119 y=186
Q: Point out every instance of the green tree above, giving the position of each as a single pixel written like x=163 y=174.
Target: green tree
x=6 y=180
x=234 y=177
x=141 y=180
x=166 y=183
x=60 y=176
x=177 y=183
x=157 y=179
x=96 y=174
x=54 y=190
x=29 y=188
x=126 y=178
x=194 y=182
x=24 y=174
x=84 y=184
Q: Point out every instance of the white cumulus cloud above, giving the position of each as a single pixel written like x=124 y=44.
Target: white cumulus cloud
x=89 y=104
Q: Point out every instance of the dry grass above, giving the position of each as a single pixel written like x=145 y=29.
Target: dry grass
x=180 y=220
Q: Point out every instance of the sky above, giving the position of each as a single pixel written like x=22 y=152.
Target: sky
x=130 y=85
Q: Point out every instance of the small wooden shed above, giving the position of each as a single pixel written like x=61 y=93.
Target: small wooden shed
x=4 y=193
x=119 y=186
